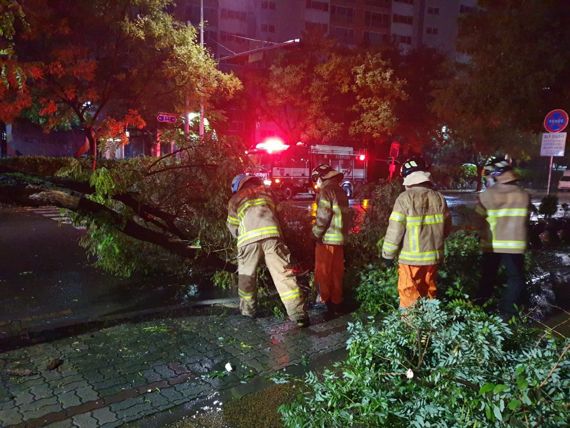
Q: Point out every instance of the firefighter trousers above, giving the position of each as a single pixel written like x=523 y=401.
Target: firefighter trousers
x=329 y=272
x=277 y=258
x=514 y=266
x=415 y=282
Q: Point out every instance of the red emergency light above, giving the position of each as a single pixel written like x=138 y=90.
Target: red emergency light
x=272 y=145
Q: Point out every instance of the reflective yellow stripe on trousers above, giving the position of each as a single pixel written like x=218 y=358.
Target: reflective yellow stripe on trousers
x=290 y=295
x=255 y=233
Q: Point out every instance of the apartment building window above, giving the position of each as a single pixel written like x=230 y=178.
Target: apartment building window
x=466 y=9
x=268 y=28
x=378 y=3
x=318 y=5
x=433 y=10
x=432 y=30
x=342 y=13
x=406 y=40
x=234 y=14
x=377 y=20
x=403 y=19
x=266 y=4
x=343 y=34
x=316 y=27
x=375 y=38
x=405 y=1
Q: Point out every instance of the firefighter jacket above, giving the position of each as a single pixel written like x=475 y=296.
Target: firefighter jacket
x=252 y=216
x=418 y=226
x=504 y=210
x=333 y=214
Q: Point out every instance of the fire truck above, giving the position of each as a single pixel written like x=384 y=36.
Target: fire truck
x=287 y=169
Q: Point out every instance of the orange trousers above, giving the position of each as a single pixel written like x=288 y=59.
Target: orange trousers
x=415 y=282
x=329 y=272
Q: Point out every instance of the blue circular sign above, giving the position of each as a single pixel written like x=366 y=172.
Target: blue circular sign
x=556 y=120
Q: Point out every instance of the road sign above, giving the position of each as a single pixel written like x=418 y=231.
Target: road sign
x=553 y=144
x=394 y=149
x=167 y=117
x=556 y=120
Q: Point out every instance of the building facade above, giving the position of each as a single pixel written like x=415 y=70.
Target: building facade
x=233 y=26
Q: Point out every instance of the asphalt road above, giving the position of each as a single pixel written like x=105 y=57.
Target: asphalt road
x=47 y=281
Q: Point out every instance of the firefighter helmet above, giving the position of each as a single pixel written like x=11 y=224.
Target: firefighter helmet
x=496 y=165
x=324 y=172
x=413 y=164
x=239 y=181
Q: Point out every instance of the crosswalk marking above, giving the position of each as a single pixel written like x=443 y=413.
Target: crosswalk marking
x=55 y=214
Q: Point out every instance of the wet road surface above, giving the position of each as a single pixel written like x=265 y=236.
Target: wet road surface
x=47 y=281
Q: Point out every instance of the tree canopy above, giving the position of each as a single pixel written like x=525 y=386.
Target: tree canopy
x=514 y=70
x=322 y=93
x=104 y=65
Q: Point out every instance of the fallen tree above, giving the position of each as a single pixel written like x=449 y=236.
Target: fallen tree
x=176 y=204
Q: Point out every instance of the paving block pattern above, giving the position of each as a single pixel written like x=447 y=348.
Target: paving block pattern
x=131 y=371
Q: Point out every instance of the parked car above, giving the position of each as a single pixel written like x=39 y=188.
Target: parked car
x=564 y=183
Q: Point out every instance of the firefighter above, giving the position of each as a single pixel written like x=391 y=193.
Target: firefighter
x=504 y=213
x=417 y=228
x=253 y=221
x=331 y=232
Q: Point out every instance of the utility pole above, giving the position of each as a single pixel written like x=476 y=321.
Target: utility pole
x=201 y=129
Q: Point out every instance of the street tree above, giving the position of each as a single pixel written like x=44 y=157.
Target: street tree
x=320 y=92
x=108 y=66
x=513 y=71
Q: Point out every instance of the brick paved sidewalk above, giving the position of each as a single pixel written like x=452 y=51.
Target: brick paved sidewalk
x=131 y=371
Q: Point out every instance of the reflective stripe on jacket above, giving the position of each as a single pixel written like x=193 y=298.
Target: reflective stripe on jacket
x=504 y=211
x=251 y=216
x=333 y=214
x=418 y=225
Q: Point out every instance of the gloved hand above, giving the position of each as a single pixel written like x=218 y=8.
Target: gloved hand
x=389 y=263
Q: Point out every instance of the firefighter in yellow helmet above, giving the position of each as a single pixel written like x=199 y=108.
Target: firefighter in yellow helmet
x=331 y=231
x=253 y=221
x=504 y=212
x=418 y=226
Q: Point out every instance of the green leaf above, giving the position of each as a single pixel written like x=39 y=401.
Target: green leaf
x=497 y=413
x=488 y=387
x=500 y=388
x=514 y=404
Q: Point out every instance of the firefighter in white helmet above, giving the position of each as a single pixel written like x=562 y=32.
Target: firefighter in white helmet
x=418 y=226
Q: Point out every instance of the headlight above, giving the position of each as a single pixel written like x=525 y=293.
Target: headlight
x=267 y=182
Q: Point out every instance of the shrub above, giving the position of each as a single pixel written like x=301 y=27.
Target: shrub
x=363 y=245
x=377 y=286
x=459 y=273
x=36 y=165
x=439 y=366
x=377 y=290
x=548 y=205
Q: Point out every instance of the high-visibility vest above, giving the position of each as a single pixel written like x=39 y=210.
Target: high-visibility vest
x=251 y=216
x=333 y=214
x=504 y=212
x=418 y=225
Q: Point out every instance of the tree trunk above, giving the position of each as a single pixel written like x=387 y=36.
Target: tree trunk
x=479 y=177
x=92 y=146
